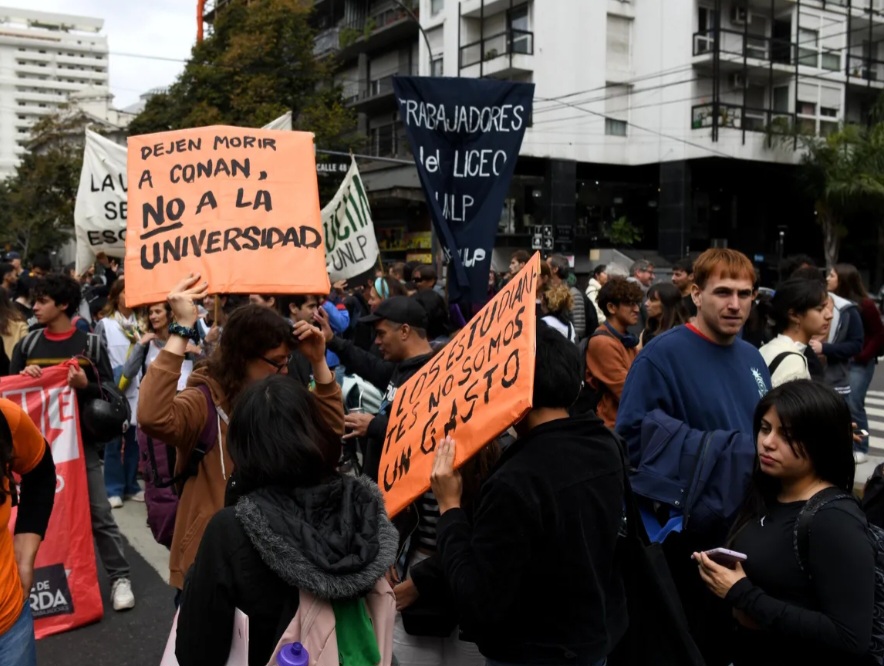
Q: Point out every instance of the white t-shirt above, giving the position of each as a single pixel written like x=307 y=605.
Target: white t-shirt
x=566 y=330
x=792 y=367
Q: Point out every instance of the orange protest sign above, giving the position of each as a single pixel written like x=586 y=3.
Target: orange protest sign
x=475 y=388
x=238 y=206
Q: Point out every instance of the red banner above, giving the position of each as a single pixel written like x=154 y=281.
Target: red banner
x=65 y=594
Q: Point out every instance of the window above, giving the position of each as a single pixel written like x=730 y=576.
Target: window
x=808 y=49
x=781 y=99
x=615 y=127
x=617 y=38
x=831 y=61
x=436 y=67
x=520 y=37
x=436 y=6
x=706 y=19
x=616 y=110
x=383 y=141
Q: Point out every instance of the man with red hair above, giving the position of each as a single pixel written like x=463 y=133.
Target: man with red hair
x=702 y=382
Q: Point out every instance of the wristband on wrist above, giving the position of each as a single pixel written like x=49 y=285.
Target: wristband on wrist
x=184 y=332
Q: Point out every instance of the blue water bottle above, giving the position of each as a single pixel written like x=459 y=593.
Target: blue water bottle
x=293 y=654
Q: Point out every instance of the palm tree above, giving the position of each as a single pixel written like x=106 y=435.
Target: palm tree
x=843 y=172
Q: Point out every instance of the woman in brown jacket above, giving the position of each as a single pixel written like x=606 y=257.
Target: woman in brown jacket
x=256 y=343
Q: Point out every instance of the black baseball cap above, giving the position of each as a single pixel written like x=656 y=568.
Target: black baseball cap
x=400 y=309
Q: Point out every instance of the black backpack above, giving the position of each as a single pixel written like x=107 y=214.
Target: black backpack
x=873 y=497
x=801 y=545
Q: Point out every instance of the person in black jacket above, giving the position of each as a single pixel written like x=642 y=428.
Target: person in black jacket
x=401 y=336
x=534 y=575
x=292 y=524
x=814 y=608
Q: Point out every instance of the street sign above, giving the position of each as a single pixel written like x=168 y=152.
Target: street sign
x=537 y=242
x=564 y=233
x=547 y=243
x=547 y=231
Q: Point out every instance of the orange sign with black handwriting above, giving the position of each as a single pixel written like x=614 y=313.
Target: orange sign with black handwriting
x=475 y=388
x=238 y=206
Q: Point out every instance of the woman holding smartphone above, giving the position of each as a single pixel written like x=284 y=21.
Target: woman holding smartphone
x=818 y=610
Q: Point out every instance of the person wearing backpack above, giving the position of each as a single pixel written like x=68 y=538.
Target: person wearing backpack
x=806 y=593
x=799 y=312
x=611 y=348
x=55 y=301
x=294 y=532
x=257 y=343
x=157 y=457
x=120 y=330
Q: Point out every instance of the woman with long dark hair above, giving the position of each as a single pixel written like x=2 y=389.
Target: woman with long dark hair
x=257 y=343
x=846 y=282
x=665 y=311
x=799 y=311
x=293 y=524
x=814 y=608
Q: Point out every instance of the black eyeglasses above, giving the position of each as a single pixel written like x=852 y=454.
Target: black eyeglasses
x=279 y=366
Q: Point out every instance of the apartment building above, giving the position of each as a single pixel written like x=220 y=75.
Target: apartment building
x=372 y=41
x=673 y=116
x=670 y=114
x=44 y=58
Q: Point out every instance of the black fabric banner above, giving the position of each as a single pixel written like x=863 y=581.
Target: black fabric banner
x=465 y=135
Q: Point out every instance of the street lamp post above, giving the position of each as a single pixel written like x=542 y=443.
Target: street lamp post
x=414 y=18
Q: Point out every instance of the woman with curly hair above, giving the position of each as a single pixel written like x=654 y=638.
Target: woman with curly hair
x=556 y=304
x=611 y=348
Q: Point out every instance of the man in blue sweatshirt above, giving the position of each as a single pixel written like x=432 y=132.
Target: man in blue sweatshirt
x=705 y=376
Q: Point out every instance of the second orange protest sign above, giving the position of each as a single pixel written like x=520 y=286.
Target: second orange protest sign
x=238 y=206
x=475 y=388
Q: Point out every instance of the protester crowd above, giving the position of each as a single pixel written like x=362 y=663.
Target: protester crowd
x=689 y=436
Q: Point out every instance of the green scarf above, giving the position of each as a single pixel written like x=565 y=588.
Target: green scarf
x=357 y=644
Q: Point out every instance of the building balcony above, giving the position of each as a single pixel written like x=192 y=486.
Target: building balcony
x=504 y=54
x=737 y=46
x=866 y=72
x=740 y=117
x=486 y=8
x=327 y=42
x=380 y=30
x=377 y=95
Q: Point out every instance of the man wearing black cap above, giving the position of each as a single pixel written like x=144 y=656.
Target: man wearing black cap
x=400 y=325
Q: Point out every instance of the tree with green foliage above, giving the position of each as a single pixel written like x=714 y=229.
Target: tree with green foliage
x=843 y=173
x=38 y=199
x=257 y=64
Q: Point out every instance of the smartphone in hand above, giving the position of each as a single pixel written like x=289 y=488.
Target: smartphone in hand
x=726 y=557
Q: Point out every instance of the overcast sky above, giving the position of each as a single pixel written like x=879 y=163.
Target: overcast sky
x=154 y=28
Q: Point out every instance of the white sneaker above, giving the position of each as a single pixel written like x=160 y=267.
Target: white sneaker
x=137 y=497
x=115 y=502
x=859 y=457
x=121 y=594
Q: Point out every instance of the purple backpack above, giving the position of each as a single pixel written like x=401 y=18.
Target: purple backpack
x=162 y=487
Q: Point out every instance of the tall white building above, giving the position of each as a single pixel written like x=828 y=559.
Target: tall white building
x=667 y=112
x=44 y=57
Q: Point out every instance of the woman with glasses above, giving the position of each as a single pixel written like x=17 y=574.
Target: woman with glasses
x=257 y=343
